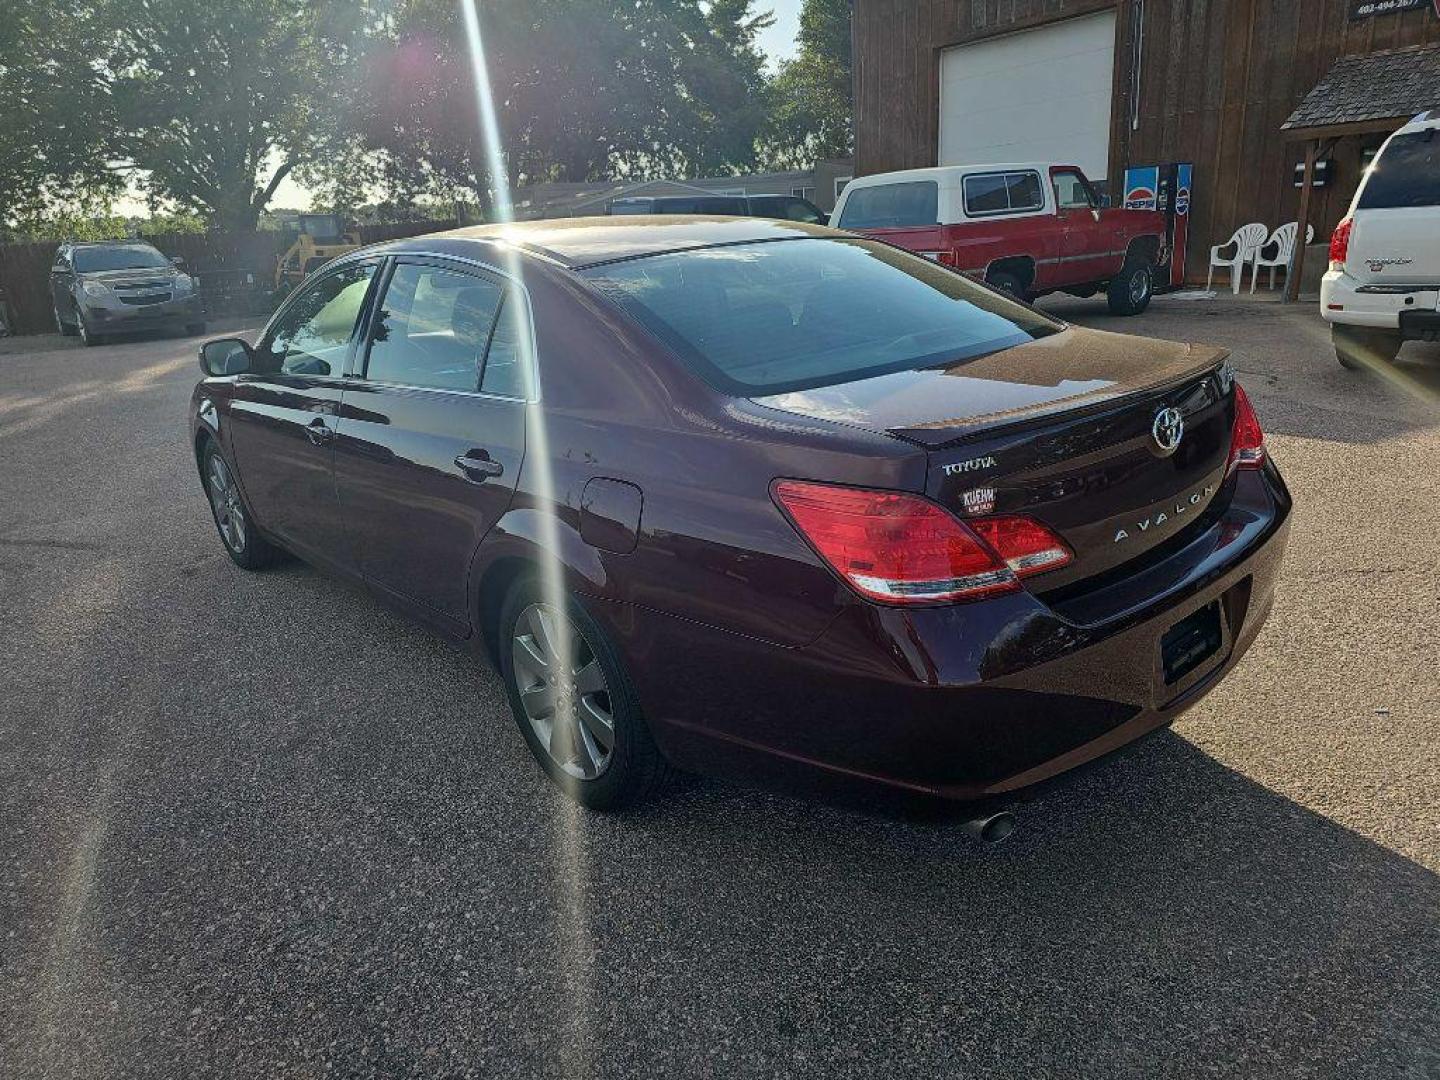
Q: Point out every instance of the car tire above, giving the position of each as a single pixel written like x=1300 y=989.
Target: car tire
x=88 y=337
x=596 y=700
x=1130 y=290
x=65 y=329
x=1006 y=282
x=233 y=519
x=1359 y=347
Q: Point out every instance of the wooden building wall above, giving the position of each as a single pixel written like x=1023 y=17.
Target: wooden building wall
x=1218 y=78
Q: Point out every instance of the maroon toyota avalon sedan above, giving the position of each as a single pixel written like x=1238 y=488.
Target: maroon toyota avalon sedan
x=720 y=491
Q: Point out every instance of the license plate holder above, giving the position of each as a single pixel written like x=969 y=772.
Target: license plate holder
x=1191 y=642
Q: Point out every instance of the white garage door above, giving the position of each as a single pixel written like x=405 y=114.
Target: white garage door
x=1039 y=95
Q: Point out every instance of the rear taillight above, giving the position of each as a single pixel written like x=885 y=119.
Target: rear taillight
x=903 y=549
x=1026 y=546
x=1340 y=244
x=1247 y=441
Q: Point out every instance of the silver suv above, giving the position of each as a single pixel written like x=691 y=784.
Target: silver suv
x=121 y=287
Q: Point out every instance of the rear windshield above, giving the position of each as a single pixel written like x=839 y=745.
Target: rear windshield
x=1407 y=173
x=892 y=206
x=130 y=257
x=786 y=315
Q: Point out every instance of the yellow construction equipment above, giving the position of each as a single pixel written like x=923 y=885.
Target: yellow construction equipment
x=322 y=237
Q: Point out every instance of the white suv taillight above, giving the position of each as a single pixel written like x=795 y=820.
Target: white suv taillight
x=1340 y=244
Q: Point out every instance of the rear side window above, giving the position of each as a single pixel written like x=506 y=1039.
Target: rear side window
x=892 y=206
x=1002 y=193
x=1406 y=174
x=432 y=328
x=790 y=315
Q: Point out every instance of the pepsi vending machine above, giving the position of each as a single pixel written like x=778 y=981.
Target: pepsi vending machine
x=1165 y=188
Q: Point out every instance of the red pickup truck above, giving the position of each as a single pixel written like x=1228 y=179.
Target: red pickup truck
x=1029 y=229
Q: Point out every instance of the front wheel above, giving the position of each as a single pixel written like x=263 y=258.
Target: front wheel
x=1129 y=291
x=243 y=543
x=88 y=337
x=66 y=329
x=573 y=702
x=1359 y=347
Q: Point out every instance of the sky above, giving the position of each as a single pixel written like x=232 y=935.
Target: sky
x=778 y=42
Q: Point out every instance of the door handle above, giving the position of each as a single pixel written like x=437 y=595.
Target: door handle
x=479 y=469
x=319 y=431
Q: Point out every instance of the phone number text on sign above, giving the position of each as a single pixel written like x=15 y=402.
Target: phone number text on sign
x=1364 y=9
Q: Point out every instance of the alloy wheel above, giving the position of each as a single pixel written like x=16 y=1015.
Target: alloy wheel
x=1139 y=286
x=225 y=501
x=563 y=691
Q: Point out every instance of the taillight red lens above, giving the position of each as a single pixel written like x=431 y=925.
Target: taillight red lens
x=903 y=549
x=1340 y=244
x=1027 y=546
x=893 y=547
x=1247 y=440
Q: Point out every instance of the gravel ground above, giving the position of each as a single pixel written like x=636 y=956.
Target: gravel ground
x=256 y=826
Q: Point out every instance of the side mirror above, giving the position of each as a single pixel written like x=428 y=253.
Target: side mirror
x=176 y=260
x=225 y=356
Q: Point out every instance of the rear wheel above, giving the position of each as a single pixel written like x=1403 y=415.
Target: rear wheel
x=1358 y=347
x=1006 y=282
x=573 y=702
x=243 y=542
x=1129 y=291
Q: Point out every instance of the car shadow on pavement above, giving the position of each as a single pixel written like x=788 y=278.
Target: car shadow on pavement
x=321 y=846
x=1157 y=913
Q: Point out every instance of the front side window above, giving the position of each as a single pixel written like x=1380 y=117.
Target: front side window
x=432 y=328
x=1002 y=193
x=787 y=315
x=1071 y=191
x=1406 y=174
x=912 y=204
x=313 y=334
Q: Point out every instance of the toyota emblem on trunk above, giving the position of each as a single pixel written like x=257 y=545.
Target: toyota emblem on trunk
x=1168 y=429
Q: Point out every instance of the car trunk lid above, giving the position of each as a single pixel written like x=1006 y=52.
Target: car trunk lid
x=1395 y=235
x=1399 y=246
x=1062 y=429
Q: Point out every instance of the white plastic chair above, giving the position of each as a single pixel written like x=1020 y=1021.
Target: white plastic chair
x=1246 y=240
x=1284 y=240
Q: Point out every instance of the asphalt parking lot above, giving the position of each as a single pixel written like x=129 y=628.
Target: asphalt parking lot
x=254 y=825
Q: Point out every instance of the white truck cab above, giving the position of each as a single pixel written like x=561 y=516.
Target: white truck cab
x=1383 y=285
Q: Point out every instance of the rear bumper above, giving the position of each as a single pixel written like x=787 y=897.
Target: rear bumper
x=1344 y=300
x=965 y=701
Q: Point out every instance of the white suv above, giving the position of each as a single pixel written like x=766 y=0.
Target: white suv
x=1383 y=286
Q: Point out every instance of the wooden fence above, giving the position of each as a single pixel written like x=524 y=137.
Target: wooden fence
x=236 y=271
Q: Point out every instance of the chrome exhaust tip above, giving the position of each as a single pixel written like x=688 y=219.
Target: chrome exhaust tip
x=992 y=828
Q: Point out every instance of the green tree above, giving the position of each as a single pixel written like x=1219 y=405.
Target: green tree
x=48 y=155
x=812 y=94
x=584 y=90
x=214 y=104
